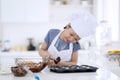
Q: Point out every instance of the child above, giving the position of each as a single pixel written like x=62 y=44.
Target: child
x=64 y=43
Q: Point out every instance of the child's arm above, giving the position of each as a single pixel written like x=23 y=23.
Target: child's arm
x=72 y=62
x=43 y=51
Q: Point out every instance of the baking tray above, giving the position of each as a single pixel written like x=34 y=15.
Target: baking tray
x=73 y=69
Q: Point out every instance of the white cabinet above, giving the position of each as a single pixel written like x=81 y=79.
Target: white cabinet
x=24 y=10
x=37 y=10
x=61 y=10
x=12 y=11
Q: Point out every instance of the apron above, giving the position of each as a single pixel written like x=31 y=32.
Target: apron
x=65 y=55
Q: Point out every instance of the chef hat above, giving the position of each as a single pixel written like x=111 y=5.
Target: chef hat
x=83 y=23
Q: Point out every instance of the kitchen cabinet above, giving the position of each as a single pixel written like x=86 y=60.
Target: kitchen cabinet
x=60 y=11
x=13 y=11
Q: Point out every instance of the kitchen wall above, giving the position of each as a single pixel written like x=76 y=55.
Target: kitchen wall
x=112 y=14
x=119 y=21
x=109 y=10
x=0 y=23
x=0 y=28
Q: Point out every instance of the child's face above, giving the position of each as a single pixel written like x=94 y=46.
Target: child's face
x=69 y=35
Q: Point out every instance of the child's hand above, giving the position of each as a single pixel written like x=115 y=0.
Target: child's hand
x=47 y=55
x=51 y=63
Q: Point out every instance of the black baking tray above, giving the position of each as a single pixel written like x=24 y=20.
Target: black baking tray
x=73 y=69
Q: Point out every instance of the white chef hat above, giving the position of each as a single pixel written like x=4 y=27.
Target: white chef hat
x=83 y=23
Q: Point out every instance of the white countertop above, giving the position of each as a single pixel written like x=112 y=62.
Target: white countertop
x=7 y=59
x=100 y=74
x=107 y=70
x=104 y=62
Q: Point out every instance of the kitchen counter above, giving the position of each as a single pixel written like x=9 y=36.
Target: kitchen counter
x=108 y=70
x=110 y=64
x=7 y=59
x=100 y=74
x=97 y=56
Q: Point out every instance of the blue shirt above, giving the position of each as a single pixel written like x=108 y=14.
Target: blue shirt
x=60 y=44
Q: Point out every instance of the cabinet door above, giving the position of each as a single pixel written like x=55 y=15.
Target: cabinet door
x=12 y=11
x=36 y=10
x=25 y=10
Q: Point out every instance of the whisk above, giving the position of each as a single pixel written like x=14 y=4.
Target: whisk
x=21 y=62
